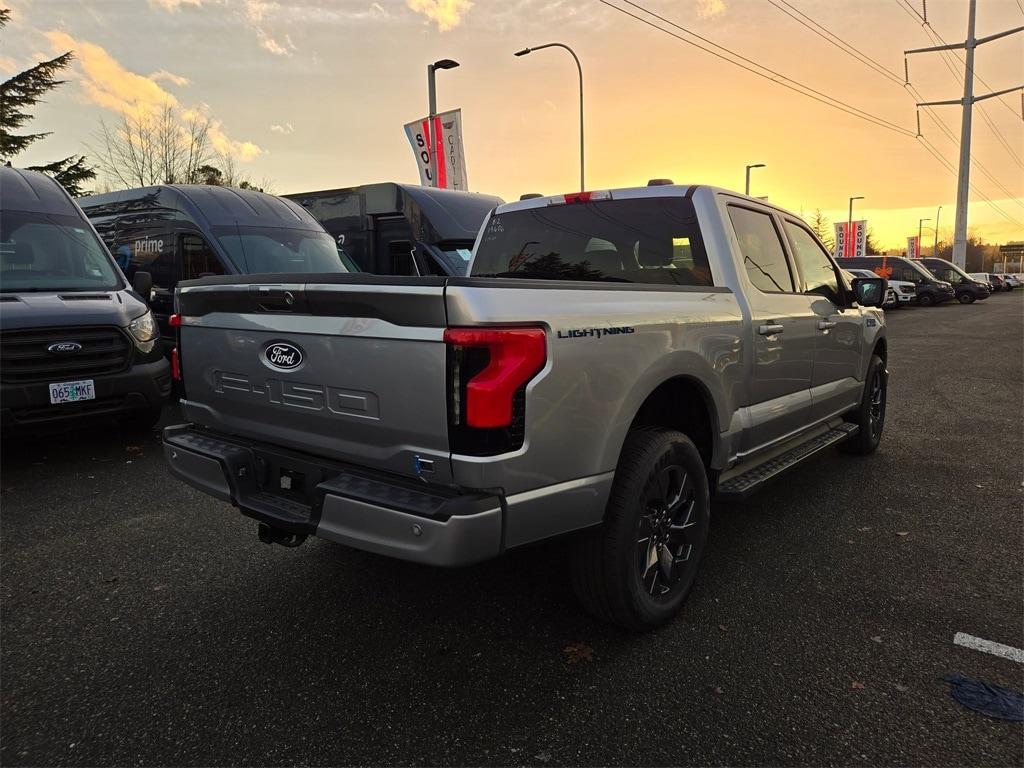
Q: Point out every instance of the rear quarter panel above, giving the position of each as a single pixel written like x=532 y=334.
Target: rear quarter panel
x=579 y=408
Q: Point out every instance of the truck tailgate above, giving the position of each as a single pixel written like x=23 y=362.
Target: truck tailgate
x=349 y=367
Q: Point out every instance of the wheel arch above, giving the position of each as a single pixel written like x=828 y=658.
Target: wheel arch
x=683 y=403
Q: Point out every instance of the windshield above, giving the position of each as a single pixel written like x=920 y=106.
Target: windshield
x=950 y=272
x=456 y=257
x=258 y=250
x=51 y=252
x=928 y=276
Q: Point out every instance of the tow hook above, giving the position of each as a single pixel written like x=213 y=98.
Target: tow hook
x=270 y=535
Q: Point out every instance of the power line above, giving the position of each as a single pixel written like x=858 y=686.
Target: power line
x=935 y=37
x=819 y=97
x=776 y=77
x=927 y=26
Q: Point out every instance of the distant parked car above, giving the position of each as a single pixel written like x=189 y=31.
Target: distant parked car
x=968 y=289
x=904 y=292
x=1012 y=281
x=995 y=283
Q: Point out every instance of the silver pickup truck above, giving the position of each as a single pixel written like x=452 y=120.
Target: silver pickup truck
x=612 y=361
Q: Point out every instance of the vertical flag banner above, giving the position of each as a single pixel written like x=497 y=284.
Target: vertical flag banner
x=440 y=153
x=418 y=137
x=913 y=247
x=851 y=242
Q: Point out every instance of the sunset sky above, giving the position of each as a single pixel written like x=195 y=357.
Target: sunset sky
x=313 y=94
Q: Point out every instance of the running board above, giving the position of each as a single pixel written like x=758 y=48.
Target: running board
x=739 y=486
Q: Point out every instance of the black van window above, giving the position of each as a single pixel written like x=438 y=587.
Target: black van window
x=762 y=251
x=198 y=258
x=149 y=252
x=646 y=240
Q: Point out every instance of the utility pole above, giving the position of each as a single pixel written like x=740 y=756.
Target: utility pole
x=967 y=103
x=935 y=244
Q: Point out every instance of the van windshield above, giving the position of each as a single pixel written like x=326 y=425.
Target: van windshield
x=950 y=272
x=257 y=250
x=52 y=252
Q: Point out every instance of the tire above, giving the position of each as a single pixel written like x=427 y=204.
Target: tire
x=870 y=415
x=636 y=570
x=965 y=298
x=925 y=300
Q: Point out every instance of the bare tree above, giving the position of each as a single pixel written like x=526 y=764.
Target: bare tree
x=822 y=227
x=145 y=148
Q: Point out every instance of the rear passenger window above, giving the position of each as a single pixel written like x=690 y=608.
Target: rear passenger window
x=199 y=260
x=761 y=249
x=646 y=240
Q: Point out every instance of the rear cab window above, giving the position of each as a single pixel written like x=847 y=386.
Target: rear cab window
x=654 y=240
x=761 y=247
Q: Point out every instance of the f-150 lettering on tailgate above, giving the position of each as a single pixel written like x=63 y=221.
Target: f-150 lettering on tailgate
x=294 y=394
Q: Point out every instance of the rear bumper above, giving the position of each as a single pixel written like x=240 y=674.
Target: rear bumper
x=26 y=407
x=362 y=508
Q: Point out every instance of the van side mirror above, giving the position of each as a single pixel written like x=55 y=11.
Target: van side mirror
x=142 y=282
x=402 y=260
x=870 y=291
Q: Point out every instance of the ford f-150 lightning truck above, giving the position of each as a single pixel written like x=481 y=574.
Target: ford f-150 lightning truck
x=612 y=361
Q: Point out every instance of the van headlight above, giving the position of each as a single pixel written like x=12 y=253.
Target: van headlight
x=145 y=330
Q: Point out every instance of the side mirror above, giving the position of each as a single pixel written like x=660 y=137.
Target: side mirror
x=402 y=260
x=870 y=291
x=142 y=282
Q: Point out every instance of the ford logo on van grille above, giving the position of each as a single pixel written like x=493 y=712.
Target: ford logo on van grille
x=282 y=356
x=64 y=347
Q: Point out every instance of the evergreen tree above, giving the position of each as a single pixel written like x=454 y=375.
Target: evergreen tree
x=822 y=227
x=17 y=96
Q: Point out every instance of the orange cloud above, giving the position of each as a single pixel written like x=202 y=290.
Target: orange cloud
x=106 y=83
x=446 y=13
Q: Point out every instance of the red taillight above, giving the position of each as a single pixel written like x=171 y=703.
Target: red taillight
x=174 y=321
x=175 y=365
x=515 y=357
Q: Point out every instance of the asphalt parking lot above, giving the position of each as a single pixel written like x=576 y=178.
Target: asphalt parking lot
x=144 y=623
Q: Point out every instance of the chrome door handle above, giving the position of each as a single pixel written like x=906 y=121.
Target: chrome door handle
x=824 y=325
x=769 y=328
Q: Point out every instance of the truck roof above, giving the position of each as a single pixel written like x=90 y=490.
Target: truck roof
x=452 y=214
x=204 y=204
x=625 y=193
x=22 y=190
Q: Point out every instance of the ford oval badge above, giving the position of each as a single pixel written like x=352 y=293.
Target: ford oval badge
x=282 y=356
x=64 y=348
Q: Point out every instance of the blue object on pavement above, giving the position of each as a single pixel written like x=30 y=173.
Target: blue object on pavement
x=989 y=700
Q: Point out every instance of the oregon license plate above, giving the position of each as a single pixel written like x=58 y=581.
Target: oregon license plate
x=72 y=391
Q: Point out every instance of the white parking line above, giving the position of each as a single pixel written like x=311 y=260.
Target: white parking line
x=987 y=646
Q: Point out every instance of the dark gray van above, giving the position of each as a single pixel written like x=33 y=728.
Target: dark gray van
x=181 y=232
x=930 y=289
x=402 y=229
x=76 y=342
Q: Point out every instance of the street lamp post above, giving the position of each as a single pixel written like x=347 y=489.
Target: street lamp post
x=919 y=223
x=747 y=187
x=579 y=68
x=432 y=110
x=849 y=225
x=935 y=245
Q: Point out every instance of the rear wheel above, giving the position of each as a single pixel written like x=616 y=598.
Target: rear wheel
x=870 y=416
x=637 y=569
